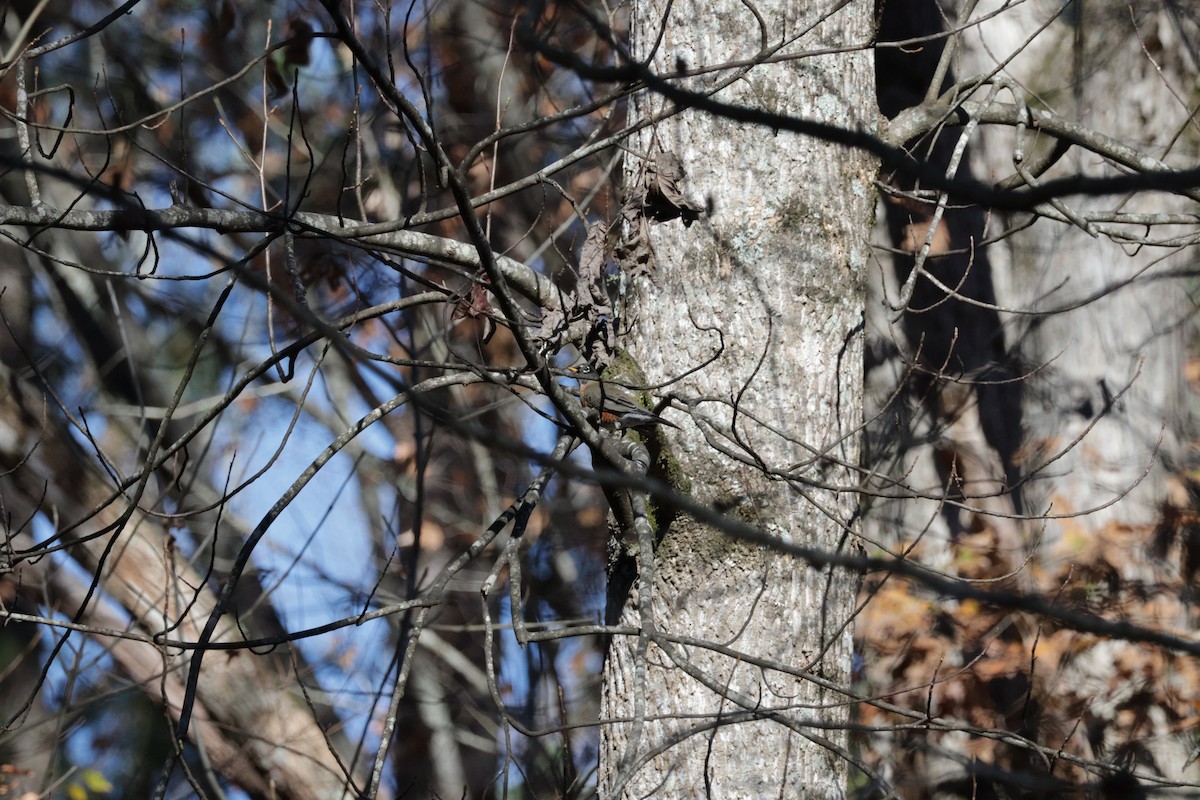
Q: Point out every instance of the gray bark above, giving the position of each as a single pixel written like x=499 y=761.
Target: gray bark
x=1104 y=363
x=1110 y=392
x=766 y=293
x=1128 y=342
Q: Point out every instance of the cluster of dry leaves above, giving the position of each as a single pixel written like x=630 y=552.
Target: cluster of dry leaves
x=655 y=196
x=1024 y=702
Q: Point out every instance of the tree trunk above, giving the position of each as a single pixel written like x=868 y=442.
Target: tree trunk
x=1105 y=402
x=1101 y=378
x=763 y=299
x=1107 y=360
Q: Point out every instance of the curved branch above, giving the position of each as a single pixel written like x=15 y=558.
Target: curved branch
x=534 y=286
x=918 y=120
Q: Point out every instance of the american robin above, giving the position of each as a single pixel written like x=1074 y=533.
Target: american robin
x=616 y=408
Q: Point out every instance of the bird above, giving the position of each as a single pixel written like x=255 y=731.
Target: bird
x=616 y=408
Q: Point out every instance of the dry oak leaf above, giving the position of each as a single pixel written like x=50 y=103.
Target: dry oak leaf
x=475 y=304
x=656 y=197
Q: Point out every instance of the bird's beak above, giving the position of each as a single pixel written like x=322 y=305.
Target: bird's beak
x=583 y=372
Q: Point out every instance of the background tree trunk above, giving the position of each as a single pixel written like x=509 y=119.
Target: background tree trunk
x=1099 y=370
x=1105 y=397
x=764 y=295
